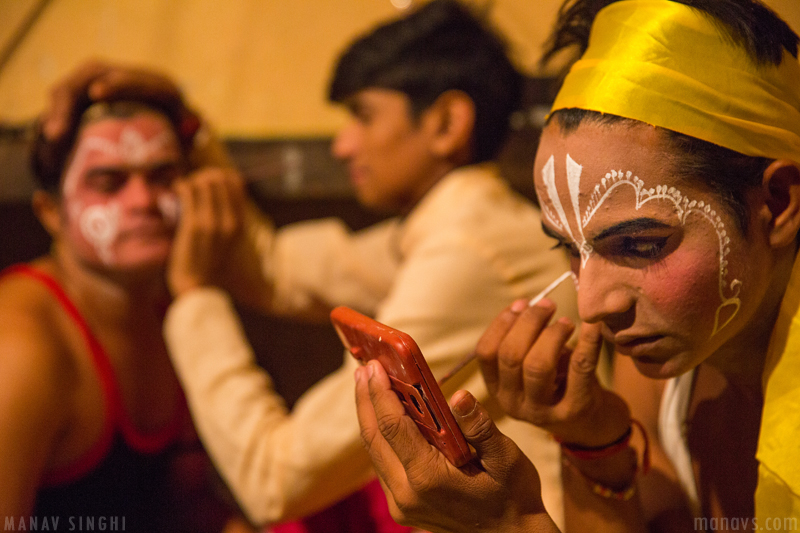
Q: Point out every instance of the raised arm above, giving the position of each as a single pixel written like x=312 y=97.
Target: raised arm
x=497 y=491
x=97 y=80
x=535 y=377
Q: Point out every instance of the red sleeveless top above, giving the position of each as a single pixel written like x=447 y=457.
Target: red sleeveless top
x=123 y=477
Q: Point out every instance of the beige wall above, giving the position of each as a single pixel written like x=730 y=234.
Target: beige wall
x=256 y=67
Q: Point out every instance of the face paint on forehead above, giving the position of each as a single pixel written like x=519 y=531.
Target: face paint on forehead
x=573 y=182
x=130 y=148
x=614 y=180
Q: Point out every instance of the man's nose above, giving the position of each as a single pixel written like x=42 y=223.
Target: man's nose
x=345 y=142
x=604 y=292
x=139 y=191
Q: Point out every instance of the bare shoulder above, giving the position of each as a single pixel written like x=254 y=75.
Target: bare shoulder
x=33 y=344
x=38 y=372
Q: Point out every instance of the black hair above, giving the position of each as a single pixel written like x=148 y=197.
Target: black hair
x=48 y=157
x=438 y=47
x=748 y=23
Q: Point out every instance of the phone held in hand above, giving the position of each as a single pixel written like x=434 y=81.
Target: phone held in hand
x=410 y=376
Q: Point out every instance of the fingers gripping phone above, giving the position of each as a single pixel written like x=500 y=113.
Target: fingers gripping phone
x=410 y=376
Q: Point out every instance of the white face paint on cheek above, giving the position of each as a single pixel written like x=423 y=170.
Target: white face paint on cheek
x=99 y=225
x=170 y=207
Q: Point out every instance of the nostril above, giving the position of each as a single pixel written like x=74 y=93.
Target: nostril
x=616 y=322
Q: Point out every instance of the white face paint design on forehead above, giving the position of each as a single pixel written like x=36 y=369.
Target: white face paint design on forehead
x=617 y=179
x=132 y=149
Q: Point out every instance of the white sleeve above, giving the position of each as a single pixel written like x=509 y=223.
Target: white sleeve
x=279 y=465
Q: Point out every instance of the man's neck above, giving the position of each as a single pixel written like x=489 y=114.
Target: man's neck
x=116 y=296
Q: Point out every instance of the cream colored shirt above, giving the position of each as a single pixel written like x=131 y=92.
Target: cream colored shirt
x=467 y=250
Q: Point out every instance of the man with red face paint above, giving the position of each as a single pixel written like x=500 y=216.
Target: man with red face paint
x=95 y=433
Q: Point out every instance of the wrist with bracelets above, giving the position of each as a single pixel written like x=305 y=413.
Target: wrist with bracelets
x=589 y=453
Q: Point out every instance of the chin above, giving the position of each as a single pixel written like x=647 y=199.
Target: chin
x=658 y=369
x=139 y=264
x=377 y=204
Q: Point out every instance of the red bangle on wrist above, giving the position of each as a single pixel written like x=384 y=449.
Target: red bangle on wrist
x=599 y=452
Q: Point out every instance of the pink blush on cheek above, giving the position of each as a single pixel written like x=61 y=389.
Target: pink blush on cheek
x=687 y=292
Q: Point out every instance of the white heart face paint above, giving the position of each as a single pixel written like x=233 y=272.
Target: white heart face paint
x=658 y=263
x=117 y=190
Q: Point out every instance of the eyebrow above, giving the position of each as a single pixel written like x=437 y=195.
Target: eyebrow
x=636 y=225
x=122 y=167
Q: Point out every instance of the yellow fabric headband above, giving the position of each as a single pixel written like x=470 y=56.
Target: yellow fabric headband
x=668 y=65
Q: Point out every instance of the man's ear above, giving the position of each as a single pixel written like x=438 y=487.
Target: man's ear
x=781 y=189
x=453 y=123
x=47 y=209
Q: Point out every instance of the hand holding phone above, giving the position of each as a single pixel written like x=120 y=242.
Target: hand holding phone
x=411 y=378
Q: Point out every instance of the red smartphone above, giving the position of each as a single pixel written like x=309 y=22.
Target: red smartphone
x=411 y=378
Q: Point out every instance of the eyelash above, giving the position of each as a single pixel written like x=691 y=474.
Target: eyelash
x=637 y=247
x=570 y=248
x=642 y=248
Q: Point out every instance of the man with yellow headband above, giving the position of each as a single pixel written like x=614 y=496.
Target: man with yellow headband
x=669 y=170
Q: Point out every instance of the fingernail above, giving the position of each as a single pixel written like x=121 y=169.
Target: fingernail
x=370 y=371
x=519 y=306
x=566 y=321
x=465 y=406
x=546 y=303
x=358 y=375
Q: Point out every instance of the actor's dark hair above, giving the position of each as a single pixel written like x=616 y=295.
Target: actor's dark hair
x=48 y=157
x=748 y=23
x=438 y=47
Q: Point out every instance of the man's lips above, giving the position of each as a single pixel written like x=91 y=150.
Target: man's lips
x=357 y=175
x=633 y=344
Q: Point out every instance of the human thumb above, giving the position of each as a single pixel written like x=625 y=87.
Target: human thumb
x=495 y=451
